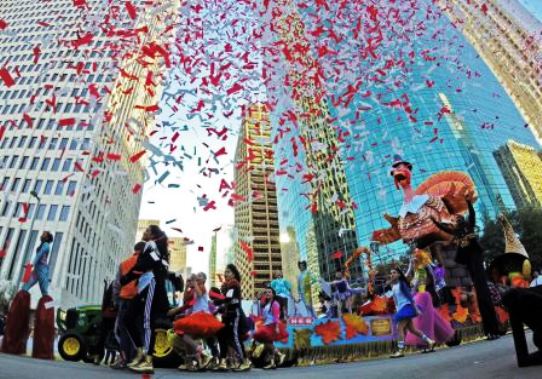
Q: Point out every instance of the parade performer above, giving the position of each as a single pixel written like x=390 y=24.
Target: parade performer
x=342 y=293
x=230 y=336
x=514 y=264
x=200 y=323
x=283 y=289
x=470 y=253
x=151 y=301
x=122 y=295
x=40 y=274
x=429 y=321
x=271 y=329
x=406 y=311
x=304 y=287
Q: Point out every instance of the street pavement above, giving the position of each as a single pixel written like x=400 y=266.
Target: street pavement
x=484 y=359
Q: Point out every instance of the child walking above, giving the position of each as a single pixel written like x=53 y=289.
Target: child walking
x=406 y=311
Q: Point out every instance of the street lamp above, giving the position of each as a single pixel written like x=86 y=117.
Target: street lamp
x=34 y=194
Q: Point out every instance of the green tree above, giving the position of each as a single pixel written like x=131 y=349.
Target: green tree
x=527 y=222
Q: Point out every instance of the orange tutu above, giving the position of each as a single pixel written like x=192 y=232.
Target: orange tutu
x=199 y=324
x=267 y=333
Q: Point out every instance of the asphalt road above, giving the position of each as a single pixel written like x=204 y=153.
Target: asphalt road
x=485 y=359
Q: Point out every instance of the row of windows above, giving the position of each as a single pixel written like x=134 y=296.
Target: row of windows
x=60 y=189
x=53 y=143
x=45 y=163
x=11 y=109
x=53 y=213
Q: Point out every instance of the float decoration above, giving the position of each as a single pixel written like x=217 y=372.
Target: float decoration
x=329 y=331
x=438 y=198
x=354 y=325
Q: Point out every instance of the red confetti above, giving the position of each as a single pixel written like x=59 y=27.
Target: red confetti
x=3 y=24
x=134 y=158
x=84 y=40
x=66 y=121
x=113 y=157
x=131 y=9
x=136 y=188
x=6 y=77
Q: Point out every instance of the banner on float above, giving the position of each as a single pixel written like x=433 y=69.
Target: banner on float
x=306 y=332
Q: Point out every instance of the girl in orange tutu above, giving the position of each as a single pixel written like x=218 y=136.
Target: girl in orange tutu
x=271 y=329
x=199 y=323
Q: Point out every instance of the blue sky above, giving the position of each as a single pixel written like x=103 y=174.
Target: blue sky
x=533 y=6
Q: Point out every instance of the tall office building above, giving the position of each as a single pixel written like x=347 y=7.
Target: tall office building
x=143 y=224
x=212 y=274
x=289 y=248
x=257 y=251
x=311 y=181
x=508 y=39
x=521 y=166
x=177 y=254
x=74 y=106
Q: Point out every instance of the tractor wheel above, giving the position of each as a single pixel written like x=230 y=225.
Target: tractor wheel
x=164 y=355
x=72 y=347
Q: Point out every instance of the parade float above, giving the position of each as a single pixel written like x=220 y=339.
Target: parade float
x=369 y=330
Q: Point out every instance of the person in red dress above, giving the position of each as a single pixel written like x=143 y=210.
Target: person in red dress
x=271 y=329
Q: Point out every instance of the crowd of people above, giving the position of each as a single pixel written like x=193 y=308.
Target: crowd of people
x=210 y=327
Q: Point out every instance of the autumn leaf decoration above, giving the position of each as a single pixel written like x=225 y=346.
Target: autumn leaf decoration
x=444 y=312
x=460 y=314
x=354 y=325
x=380 y=304
x=329 y=331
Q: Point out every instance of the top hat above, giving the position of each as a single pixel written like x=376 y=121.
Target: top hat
x=397 y=160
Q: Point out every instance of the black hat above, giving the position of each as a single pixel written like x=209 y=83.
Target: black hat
x=397 y=160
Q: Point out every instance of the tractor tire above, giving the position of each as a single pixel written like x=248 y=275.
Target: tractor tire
x=72 y=347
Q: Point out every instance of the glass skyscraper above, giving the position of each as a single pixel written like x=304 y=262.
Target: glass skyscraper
x=462 y=115
x=458 y=115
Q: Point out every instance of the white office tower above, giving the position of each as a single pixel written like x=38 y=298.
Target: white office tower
x=79 y=86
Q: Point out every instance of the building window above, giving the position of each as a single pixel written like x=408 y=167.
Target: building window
x=23 y=163
x=22 y=141
x=13 y=161
x=15 y=184
x=63 y=143
x=59 y=187
x=18 y=248
x=67 y=165
x=45 y=164
x=52 y=144
x=34 y=163
x=37 y=185
x=52 y=212
x=33 y=141
x=40 y=212
x=71 y=187
x=64 y=212
x=48 y=187
x=56 y=165
x=54 y=251
x=26 y=186
x=5 y=208
x=73 y=144
x=4 y=183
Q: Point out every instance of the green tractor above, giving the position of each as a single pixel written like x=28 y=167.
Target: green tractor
x=80 y=329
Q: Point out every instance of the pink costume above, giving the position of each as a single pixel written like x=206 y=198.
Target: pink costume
x=429 y=322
